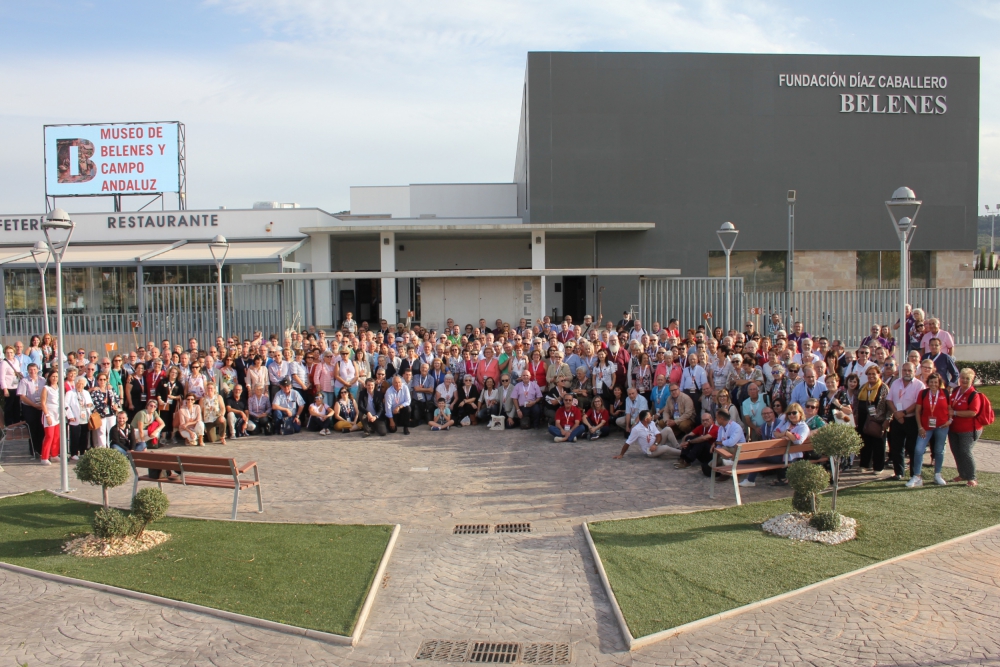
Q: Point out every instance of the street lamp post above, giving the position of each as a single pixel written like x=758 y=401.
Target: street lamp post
x=56 y=222
x=37 y=252
x=903 y=201
x=993 y=224
x=219 y=247
x=790 y=263
x=727 y=234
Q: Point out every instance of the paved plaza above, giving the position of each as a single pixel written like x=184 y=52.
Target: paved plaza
x=942 y=607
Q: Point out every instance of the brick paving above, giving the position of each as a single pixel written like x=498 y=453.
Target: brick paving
x=941 y=607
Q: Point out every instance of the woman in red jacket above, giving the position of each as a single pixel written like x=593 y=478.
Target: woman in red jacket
x=965 y=404
x=933 y=421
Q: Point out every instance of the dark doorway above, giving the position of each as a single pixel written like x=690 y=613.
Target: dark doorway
x=368 y=293
x=574 y=297
x=347 y=305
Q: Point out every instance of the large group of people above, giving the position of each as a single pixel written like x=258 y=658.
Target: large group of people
x=665 y=390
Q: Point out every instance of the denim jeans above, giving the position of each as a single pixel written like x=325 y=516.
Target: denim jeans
x=936 y=437
x=140 y=447
x=574 y=434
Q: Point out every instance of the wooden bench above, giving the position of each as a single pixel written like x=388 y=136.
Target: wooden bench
x=748 y=459
x=209 y=471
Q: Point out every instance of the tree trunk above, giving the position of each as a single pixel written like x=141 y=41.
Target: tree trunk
x=835 y=476
x=104 y=490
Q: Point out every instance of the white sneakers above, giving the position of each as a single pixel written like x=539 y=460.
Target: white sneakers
x=915 y=482
x=747 y=482
x=939 y=480
x=727 y=462
x=45 y=462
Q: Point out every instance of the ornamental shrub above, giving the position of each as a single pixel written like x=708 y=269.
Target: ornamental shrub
x=804 y=502
x=825 y=521
x=987 y=372
x=105 y=467
x=148 y=506
x=837 y=441
x=807 y=479
x=110 y=523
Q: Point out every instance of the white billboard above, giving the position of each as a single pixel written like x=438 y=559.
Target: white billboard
x=111 y=159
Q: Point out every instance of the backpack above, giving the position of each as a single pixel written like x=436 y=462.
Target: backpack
x=985 y=416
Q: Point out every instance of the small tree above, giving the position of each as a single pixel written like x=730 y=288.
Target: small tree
x=807 y=479
x=105 y=467
x=148 y=506
x=837 y=441
x=111 y=523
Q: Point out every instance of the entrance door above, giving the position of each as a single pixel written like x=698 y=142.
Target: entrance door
x=574 y=297
x=368 y=293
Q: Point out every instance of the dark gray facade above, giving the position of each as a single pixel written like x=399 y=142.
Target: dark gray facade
x=690 y=140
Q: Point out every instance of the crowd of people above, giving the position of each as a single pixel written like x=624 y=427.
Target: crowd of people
x=664 y=390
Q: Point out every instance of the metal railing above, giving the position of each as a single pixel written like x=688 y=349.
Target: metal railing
x=986 y=275
x=971 y=314
x=174 y=312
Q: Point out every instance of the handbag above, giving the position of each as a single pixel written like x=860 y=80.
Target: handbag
x=873 y=428
x=95 y=422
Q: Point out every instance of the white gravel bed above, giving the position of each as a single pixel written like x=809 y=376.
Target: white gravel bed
x=795 y=526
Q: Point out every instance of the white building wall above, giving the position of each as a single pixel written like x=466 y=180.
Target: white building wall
x=457 y=200
x=391 y=200
x=466 y=300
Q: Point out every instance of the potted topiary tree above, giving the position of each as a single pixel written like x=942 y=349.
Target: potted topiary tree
x=807 y=480
x=837 y=441
x=105 y=467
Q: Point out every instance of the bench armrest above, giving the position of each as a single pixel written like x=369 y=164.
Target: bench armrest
x=723 y=453
x=242 y=469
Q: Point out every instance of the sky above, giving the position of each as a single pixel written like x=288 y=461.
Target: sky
x=297 y=100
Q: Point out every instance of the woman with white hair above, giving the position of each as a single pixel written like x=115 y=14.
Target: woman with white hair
x=79 y=405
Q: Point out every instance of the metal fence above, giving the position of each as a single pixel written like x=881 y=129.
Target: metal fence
x=174 y=312
x=180 y=312
x=971 y=314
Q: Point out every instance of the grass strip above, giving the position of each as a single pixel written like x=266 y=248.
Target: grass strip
x=311 y=575
x=672 y=569
x=992 y=432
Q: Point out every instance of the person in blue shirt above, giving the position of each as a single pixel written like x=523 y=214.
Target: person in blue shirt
x=808 y=388
x=286 y=407
x=660 y=394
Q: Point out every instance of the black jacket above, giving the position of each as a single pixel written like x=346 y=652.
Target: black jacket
x=378 y=399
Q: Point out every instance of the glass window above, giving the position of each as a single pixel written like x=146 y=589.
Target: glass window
x=879 y=269
x=762 y=271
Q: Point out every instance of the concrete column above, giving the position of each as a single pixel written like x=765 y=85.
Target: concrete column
x=319 y=249
x=387 y=252
x=538 y=262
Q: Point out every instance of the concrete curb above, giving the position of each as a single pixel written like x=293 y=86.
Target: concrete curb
x=646 y=640
x=328 y=637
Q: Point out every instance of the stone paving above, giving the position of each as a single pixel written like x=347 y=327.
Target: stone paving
x=940 y=608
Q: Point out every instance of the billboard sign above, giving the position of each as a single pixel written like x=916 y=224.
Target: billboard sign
x=111 y=159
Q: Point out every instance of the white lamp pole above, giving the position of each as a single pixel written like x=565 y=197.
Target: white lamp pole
x=219 y=247
x=903 y=201
x=727 y=234
x=59 y=221
x=37 y=252
x=790 y=263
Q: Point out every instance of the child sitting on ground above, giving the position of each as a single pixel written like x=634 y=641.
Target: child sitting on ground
x=442 y=417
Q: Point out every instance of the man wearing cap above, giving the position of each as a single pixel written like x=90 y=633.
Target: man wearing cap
x=286 y=408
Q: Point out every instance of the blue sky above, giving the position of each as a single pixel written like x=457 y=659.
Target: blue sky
x=296 y=100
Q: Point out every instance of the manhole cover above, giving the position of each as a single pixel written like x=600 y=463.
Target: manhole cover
x=494 y=652
x=471 y=529
x=512 y=528
x=445 y=651
x=545 y=653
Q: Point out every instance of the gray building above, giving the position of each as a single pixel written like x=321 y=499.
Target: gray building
x=688 y=140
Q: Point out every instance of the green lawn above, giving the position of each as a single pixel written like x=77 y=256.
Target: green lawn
x=311 y=575
x=672 y=569
x=992 y=432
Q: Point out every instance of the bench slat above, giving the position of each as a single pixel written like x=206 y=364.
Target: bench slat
x=194 y=480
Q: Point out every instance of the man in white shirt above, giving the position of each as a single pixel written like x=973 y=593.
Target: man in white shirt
x=397 y=405
x=902 y=399
x=646 y=435
x=637 y=332
x=806 y=357
x=860 y=364
x=634 y=404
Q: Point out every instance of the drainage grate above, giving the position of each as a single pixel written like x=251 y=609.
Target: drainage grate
x=494 y=652
x=444 y=651
x=471 y=529
x=512 y=528
x=546 y=653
